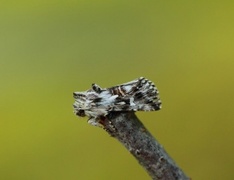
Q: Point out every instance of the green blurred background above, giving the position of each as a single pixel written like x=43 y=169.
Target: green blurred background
x=48 y=49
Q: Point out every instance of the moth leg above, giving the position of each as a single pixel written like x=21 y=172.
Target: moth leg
x=95 y=122
x=96 y=88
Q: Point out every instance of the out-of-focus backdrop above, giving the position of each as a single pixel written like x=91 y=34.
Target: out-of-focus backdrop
x=48 y=49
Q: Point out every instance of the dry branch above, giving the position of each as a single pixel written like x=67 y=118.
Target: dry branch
x=127 y=128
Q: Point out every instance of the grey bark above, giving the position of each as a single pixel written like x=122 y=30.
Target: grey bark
x=127 y=128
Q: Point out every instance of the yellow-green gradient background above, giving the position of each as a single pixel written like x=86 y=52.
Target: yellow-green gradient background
x=48 y=49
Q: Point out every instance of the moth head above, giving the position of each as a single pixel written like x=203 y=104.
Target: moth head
x=84 y=101
x=79 y=105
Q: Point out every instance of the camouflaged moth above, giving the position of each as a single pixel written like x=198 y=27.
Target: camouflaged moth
x=96 y=103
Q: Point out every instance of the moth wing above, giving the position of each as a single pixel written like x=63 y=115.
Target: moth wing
x=137 y=95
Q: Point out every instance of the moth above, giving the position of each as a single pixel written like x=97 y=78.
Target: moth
x=96 y=103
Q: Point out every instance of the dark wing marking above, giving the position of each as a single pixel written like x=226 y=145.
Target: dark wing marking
x=138 y=95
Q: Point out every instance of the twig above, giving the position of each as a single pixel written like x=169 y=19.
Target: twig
x=128 y=129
